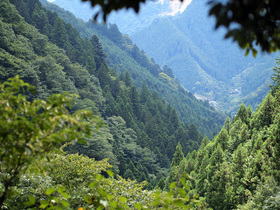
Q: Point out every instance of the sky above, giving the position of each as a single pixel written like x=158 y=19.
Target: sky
x=176 y=6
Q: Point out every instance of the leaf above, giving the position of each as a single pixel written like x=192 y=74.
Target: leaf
x=65 y=195
x=114 y=204
x=178 y=202
x=183 y=180
x=110 y=173
x=82 y=141
x=44 y=204
x=110 y=197
x=88 y=199
x=31 y=202
x=247 y=51
x=138 y=206
x=172 y=186
x=99 y=177
x=65 y=203
x=61 y=189
x=100 y=207
x=182 y=192
x=50 y=191
x=123 y=199
x=92 y=184
x=255 y=52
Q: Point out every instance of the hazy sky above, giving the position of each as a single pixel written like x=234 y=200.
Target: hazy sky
x=175 y=6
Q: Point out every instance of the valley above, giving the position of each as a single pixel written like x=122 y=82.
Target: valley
x=148 y=111
x=205 y=63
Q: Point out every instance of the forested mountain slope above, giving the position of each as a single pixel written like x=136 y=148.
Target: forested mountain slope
x=141 y=130
x=208 y=66
x=239 y=168
x=205 y=63
x=142 y=134
x=123 y=55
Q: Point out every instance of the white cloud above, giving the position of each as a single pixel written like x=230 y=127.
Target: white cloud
x=175 y=6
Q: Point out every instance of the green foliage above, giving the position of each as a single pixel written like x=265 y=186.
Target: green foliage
x=239 y=168
x=75 y=182
x=178 y=156
x=31 y=129
x=255 y=23
x=275 y=77
x=142 y=146
x=264 y=197
x=123 y=56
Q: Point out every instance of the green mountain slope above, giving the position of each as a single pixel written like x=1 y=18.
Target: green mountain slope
x=123 y=55
x=204 y=62
x=141 y=129
x=27 y=53
x=206 y=65
x=239 y=168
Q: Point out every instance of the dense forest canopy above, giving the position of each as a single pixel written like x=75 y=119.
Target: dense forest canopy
x=140 y=131
x=67 y=117
x=123 y=55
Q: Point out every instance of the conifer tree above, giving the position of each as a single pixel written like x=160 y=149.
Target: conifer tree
x=144 y=93
x=134 y=97
x=242 y=113
x=204 y=141
x=114 y=34
x=275 y=77
x=227 y=125
x=59 y=34
x=178 y=156
x=87 y=58
x=39 y=17
x=22 y=9
x=222 y=139
x=193 y=132
x=99 y=54
x=127 y=79
x=103 y=75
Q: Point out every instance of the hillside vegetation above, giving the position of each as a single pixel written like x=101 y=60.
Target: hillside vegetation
x=76 y=131
x=123 y=55
x=205 y=63
x=141 y=129
x=239 y=168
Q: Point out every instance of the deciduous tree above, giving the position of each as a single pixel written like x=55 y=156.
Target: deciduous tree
x=28 y=130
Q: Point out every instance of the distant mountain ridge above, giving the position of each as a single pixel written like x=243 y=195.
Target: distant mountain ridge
x=205 y=63
x=123 y=55
x=127 y=20
x=141 y=128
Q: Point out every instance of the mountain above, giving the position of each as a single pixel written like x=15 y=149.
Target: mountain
x=141 y=135
x=123 y=55
x=206 y=64
x=239 y=167
x=127 y=20
x=114 y=79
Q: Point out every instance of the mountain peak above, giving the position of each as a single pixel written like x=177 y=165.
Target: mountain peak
x=174 y=7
